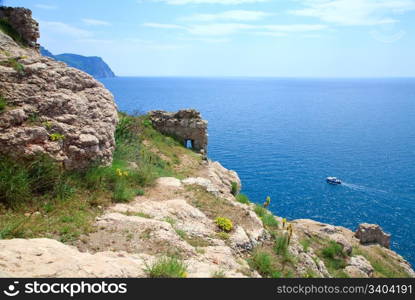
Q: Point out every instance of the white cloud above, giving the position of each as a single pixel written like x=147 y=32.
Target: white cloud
x=295 y=27
x=164 y=26
x=355 y=12
x=223 y=2
x=95 y=22
x=273 y=34
x=207 y=40
x=64 y=29
x=231 y=15
x=46 y=6
x=218 y=29
x=225 y=29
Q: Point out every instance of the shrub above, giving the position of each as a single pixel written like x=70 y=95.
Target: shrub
x=224 y=224
x=167 y=267
x=3 y=103
x=242 y=198
x=234 y=188
x=270 y=221
x=333 y=250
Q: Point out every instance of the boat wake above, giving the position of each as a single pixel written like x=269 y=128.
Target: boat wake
x=362 y=188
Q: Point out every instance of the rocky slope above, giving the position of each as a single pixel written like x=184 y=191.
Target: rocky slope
x=93 y=65
x=177 y=217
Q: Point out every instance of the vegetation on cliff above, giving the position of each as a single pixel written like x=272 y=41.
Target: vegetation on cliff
x=10 y=31
x=38 y=198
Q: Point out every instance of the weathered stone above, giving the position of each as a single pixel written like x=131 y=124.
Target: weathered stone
x=49 y=258
x=185 y=125
x=21 y=20
x=359 y=267
x=372 y=233
x=52 y=109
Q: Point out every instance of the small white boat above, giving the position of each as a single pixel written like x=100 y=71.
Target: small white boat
x=333 y=180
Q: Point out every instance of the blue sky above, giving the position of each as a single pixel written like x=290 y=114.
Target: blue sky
x=282 y=38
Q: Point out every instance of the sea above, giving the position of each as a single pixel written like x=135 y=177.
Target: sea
x=284 y=136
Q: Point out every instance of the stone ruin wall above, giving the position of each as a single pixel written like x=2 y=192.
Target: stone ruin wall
x=184 y=125
x=21 y=20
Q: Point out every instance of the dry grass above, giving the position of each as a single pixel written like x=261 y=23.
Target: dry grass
x=214 y=207
x=382 y=262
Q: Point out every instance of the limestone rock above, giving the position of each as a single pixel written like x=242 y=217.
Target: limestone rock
x=185 y=217
x=134 y=234
x=185 y=125
x=359 y=267
x=21 y=20
x=52 y=109
x=373 y=233
x=49 y=258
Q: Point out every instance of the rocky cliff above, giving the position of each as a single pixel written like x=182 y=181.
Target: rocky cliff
x=52 y=109
x=193 y=217
x=93 y=65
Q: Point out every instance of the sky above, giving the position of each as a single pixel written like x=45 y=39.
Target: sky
x=277 y=38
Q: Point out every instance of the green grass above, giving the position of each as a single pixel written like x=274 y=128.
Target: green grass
x=219 y=274
x=15 y=64
x=223 y=235
x=260 y=211
x=10 y=31
x=281 y=245
x=269 y=221
x=181 y=233
x=332 y=250
x=40 y=185
x=306 y=244
x=167 y=267
x=234 y=188
x=242 y=198
x=263 y=263
x=3 y=103
x=334 y=258
x=381 y=262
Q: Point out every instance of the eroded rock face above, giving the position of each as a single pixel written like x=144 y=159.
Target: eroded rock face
x=21 y=20
x=49 y=258
x=53 y=109
x=185 y=125
x=373 y=233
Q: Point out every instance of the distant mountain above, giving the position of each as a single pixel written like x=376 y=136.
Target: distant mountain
x=92 y=65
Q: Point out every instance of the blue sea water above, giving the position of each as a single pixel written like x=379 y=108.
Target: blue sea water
x=285 y=136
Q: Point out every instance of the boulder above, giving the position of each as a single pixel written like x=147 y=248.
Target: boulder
x=52 y=109
x=359 y=267
x=372 y=233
